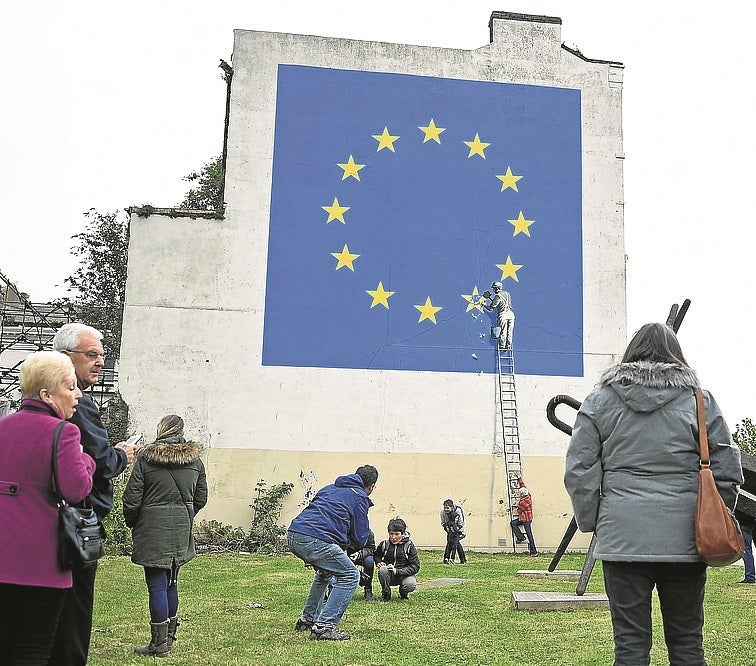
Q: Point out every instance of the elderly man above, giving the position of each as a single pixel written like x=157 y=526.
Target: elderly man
x=83 y=345
x=505 y=317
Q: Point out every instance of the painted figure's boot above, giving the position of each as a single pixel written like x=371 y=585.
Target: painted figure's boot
x=158 y=646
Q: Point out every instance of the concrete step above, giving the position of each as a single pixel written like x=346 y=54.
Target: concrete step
x=548 y=601
x=563 y=574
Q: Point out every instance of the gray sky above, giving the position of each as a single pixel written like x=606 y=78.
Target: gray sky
x=106 y=106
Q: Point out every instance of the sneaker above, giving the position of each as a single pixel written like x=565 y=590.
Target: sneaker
x=369 y=595
x=386 y=596
x=402 y=595
x=303 y=625
x=533 y=554
x=328 y=634
x=745 y=580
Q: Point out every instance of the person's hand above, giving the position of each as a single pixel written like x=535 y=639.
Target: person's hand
x=128 y=449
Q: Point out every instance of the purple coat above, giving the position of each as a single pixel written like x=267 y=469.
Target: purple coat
x=28 y=515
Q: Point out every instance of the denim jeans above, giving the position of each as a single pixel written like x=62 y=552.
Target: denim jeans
x=528 y=534
x=332 y=565
x=162 y=585
x=748 y=570
x=680 y=586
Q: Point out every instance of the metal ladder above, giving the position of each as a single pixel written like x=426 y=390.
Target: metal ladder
x=508 y=430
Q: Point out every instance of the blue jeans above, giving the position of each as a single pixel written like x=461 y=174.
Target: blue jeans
x=516 y=522
x=331 y=564
x=750 y=573
x=680 y=586
x=162 y=585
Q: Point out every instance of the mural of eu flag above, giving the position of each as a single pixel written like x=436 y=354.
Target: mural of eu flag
x=397 y=200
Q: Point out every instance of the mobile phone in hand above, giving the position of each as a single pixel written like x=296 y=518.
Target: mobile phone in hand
x=134 y=439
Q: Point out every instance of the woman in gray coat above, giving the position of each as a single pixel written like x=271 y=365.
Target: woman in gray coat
x=632 y=476
x=166 y=489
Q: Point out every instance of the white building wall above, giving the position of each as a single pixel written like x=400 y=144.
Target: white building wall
x=193 y=321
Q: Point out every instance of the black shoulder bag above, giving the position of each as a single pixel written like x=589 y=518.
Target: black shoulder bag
x=81 y=537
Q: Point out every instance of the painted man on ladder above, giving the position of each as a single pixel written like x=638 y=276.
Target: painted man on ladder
x=505 y=318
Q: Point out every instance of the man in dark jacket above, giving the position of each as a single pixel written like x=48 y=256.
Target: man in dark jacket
x=397 y=561
x=83 y=345
x=319 y=536
x=363 y=557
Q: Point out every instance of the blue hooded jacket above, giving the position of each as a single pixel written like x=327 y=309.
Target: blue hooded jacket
x=337 y=514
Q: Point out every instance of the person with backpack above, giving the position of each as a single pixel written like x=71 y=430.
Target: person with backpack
x=453 y=522
x=397 y=561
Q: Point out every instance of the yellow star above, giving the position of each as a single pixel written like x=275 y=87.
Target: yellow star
x=335 y=212
x=385 y=140
x=432 y=132
x=428 y=310
x=345 y=258
x=521 y=225
x=509 y=180
x=473 y=300
x=351 y=168
x=380 y=296
x=509 y=269
x=476 y=146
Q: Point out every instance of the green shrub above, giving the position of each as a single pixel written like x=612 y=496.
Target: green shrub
x=119 y=536
x=265 y=534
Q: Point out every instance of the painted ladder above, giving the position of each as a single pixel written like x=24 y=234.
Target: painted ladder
x=507 y=430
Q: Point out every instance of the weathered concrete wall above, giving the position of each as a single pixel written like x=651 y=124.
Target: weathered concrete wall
x=193 y=321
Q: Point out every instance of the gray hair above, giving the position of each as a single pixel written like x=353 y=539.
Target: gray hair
x=67 y=337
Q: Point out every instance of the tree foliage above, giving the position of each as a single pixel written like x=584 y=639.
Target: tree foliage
x=745 y=436
x=207 y=192
x=98 y=286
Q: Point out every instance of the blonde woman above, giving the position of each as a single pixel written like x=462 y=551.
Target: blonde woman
x=32 y=585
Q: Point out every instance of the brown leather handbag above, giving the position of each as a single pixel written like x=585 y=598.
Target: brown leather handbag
x=719 y=540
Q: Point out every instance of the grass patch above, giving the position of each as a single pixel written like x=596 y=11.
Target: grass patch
x=242 y=609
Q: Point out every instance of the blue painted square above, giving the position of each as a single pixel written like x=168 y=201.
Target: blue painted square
x=431 y=214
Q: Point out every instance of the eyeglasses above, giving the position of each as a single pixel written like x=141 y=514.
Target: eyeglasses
x=91 y=355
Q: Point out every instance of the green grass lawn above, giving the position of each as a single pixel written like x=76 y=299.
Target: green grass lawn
x=242 y=610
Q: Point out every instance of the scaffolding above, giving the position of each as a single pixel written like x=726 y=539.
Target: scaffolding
x=26 y=327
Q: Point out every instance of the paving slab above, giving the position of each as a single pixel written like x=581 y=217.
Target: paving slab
x=564 y=574
x=547 y=601
x=440 y=582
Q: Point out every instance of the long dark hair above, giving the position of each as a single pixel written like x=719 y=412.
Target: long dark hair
x=657 y=343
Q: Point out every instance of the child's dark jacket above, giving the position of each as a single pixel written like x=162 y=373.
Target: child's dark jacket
x=403 y=556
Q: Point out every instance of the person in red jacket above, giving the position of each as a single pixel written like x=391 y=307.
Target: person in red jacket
x=33 y=587
x=525 y=518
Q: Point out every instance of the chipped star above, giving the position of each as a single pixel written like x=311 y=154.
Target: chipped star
x=385 y=140
x=474 y=301
x=432 y=133
x=428 y=310
x=476 y=146
x=335 y=211
x=521 y=225
x=509 y=180
x=351 y=168
x=509 y=269
x=345 y=258
x=380 y=296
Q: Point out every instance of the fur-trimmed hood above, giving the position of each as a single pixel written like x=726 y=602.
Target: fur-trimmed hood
x=170 y=453
x=651 y=375
x=645 y=386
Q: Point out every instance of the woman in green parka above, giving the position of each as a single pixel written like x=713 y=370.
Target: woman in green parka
x=166 y=489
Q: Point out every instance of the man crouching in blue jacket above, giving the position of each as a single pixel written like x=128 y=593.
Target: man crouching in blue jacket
x=319 y=535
